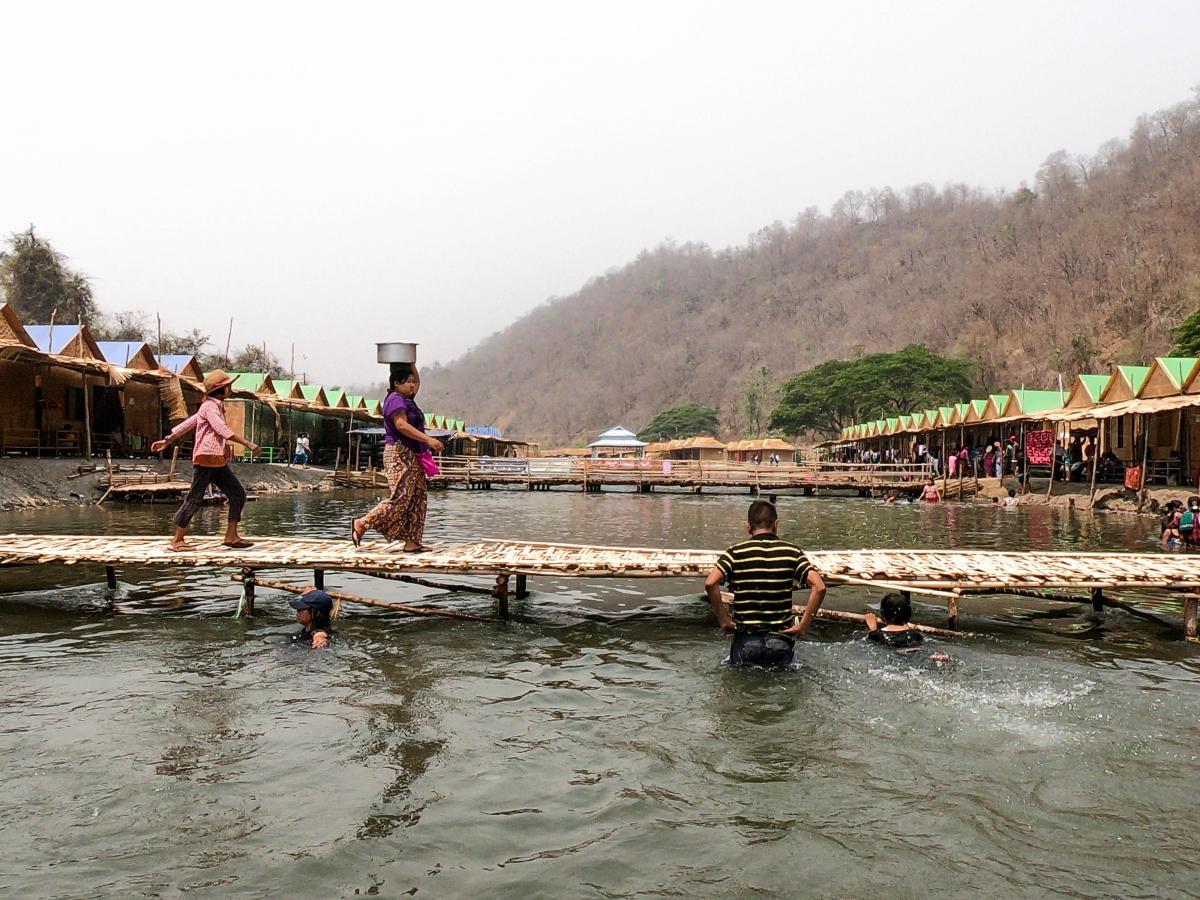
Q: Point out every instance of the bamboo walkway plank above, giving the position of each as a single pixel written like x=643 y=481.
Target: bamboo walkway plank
x=944 y=570
x=484 y=557
x=949 y=574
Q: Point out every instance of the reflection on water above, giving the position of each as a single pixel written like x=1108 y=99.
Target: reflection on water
x=593 y=746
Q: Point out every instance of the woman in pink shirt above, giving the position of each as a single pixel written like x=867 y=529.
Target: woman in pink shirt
x=210 y=461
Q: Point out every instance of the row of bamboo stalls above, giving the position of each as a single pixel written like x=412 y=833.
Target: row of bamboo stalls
x=273 y=412
x=62 y=392
x=1147 y=416
x=974 y=423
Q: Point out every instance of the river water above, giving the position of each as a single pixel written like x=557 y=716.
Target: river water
x=593 y=746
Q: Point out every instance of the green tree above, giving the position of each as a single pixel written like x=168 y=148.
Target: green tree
x=1187 y=336
x=189 y=343
x=36 y=282
x=686 y=420
x=838 y=393
x=254 y=358
x=129 y=325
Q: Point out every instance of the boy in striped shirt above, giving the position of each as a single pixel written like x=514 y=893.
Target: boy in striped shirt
x=762 y=572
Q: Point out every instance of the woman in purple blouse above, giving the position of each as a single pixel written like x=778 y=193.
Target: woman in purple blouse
x=402 y=515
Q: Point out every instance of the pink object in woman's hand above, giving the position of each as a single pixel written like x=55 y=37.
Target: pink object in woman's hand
x=429 y=464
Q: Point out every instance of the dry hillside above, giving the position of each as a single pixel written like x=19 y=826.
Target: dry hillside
x=1091 y=264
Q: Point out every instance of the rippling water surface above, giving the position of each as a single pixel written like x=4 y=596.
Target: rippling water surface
x=593 y=747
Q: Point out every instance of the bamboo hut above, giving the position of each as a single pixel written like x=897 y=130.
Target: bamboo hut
x=336 y=398
x=1126 y=383
x=253 y=383
x=1086 y=390
x=701 y=449
x=139 y=420
x=183 y=365
x=1169 y=375
x=287 y=389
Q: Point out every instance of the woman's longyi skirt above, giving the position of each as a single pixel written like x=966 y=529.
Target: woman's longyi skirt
x=401 y=517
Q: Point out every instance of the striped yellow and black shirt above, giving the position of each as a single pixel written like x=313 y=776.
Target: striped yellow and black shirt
x=761 y=572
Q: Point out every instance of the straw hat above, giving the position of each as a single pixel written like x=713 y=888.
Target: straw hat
x=215 y=379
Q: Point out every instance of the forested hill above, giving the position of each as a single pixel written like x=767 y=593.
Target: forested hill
x=1092 y=264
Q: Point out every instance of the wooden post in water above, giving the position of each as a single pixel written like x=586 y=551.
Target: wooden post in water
x=952 y=613
x=248 y=588
x=1191 y=603
x=1097 y=600
x=522 y=587
x=110 y=576
x=319 y=579
x=500 y=592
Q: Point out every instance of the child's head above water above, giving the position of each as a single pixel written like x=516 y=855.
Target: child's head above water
x=895 y=609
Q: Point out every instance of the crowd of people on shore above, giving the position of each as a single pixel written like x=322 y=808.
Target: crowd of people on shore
x=996 y=458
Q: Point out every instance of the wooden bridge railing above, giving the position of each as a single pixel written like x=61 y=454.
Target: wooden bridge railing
x=632 y=470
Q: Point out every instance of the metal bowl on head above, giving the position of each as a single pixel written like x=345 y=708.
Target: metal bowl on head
x=396 y=352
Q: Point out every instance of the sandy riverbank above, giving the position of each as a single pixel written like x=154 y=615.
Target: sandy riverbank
x=34 y=483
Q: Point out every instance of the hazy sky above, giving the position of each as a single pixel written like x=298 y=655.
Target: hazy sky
x=339 y=173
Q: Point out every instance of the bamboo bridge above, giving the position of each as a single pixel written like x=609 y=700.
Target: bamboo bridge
x=647 y=475
x=949 y=575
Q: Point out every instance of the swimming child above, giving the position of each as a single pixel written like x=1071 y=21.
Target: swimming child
x=1011 y=500
x=312 y=611
x=895 y=632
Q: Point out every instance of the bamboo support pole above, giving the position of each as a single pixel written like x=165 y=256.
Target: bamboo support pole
x=1141 y=613
x=426 y=582
x=365 y=601
x=837 y=615
x=110 y=577
x=1190 y=604
x=87 y=420
x=246 y=577
x=945 y=468
x=1144 y=489
x=1053 y=462
x=1097 y=452
x=500 y=592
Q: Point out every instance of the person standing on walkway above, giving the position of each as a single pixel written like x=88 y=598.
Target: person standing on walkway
x=402 y=515
x=303 y=448
x=210 y=461
x=762 y=573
